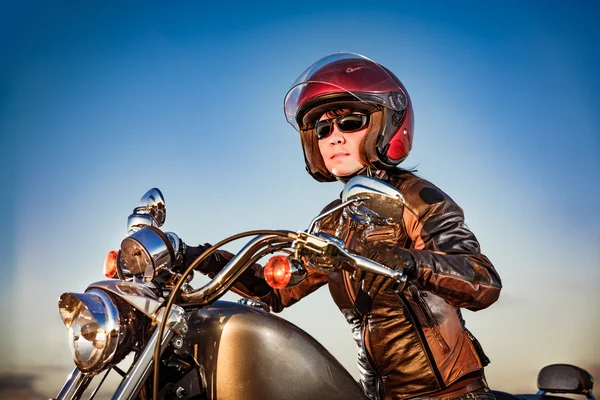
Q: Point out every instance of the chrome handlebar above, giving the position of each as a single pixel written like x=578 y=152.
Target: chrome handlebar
x=320 y=244
x=260 y=245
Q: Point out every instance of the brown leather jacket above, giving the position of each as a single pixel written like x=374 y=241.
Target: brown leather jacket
x=415 y=343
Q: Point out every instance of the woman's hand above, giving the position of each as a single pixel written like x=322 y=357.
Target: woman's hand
x=389 y=256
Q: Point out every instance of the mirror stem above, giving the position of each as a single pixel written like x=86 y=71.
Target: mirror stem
x=334 y=209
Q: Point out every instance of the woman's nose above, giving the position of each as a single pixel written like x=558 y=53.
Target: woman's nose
x=336 y=137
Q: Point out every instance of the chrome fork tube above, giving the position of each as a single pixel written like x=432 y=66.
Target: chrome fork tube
x=75 y=385
x=136 y=377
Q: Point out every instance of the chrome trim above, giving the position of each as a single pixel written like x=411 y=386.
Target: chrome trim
x=254 y=303
x=135 y=293
x=176 y=244
x=153 y=203
x=320 y=250
x=299 y=273
x=361 y=186
x=331 y=238
x=180 y=392
x=236 y=266
x=103 y=319
x=334 y=209
x=131 y=385
x=321 y=244
x=146 y=251
x=368 y=265
x=135 y=222
x=75 y=385
x=377 y=196
x=177 y=342
x=175 y=321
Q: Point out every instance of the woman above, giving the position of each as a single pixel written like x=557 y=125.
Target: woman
x=355 y=118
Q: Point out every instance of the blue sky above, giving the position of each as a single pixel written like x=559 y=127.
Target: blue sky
x=99 y=103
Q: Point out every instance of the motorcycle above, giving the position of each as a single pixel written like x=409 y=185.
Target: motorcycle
x=185 y=343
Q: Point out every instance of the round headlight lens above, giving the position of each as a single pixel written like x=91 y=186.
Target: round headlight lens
x=93 y=322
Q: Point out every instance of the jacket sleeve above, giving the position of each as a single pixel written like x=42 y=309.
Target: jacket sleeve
x=252 y=284
x=447 y=254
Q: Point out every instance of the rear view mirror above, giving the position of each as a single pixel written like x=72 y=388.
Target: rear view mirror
x=378 y=199
x=151 y=211
x=153 y=203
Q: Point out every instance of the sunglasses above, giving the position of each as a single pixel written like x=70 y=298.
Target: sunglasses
x=345 y=123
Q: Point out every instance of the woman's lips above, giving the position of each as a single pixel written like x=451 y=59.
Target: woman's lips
x=339 y=155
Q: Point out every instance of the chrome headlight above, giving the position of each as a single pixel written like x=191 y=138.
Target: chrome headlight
x=147 y=250
x=94 y=326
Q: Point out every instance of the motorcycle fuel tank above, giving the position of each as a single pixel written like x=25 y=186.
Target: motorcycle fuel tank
x=247 y=353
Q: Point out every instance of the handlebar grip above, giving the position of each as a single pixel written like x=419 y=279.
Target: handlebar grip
x=328 y=245
x=368 y=265
x=365 y=264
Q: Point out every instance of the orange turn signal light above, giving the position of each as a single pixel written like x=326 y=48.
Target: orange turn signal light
x=110 y=264
x=277 y=272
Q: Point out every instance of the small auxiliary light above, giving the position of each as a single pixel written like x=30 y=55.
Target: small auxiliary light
x=110 y=264
x=277 y=272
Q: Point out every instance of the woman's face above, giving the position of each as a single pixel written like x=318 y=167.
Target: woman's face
x=340 y=150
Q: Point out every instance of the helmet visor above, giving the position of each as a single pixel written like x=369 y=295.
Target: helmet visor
x=347 y=76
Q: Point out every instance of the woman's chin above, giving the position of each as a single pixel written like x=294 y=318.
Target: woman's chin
x=342 y=171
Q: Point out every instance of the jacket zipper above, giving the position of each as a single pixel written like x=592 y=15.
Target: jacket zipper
x=348 y=287
x=380 y=388
x=421 y=335
x=432 y=321
x=363 y=335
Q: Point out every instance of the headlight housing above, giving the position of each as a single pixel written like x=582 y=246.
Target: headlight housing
x=94 y=328
x=149 y=250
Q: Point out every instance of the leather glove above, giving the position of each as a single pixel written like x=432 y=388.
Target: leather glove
x=211 y=266
x=392 y=257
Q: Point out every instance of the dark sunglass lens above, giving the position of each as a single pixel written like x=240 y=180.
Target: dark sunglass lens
x=323 y=129
x=352 y=122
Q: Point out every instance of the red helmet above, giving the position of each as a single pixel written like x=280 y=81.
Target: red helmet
x=348 y=80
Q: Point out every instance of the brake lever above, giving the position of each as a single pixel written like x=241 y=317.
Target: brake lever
x=325 y=245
